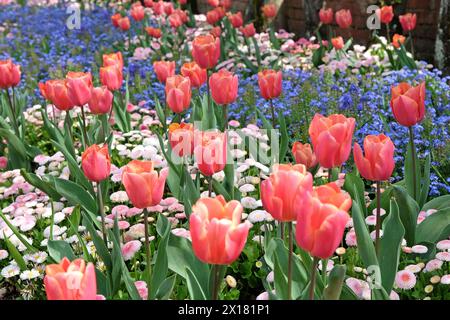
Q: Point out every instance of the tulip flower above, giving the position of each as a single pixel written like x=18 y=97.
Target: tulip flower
x=182 y=2
x=338 y=43
x=385 y=14
x=196 y=74
x=111 y=76
x=124 y=23
x=236 y=19
x=216 y=32
x=158 y=7
x=269 y=10
x=79 y=85
x=168 y=8
x=115 y=19
x=321 y=219
x=58 y=93
x=70 y=280
x=210 y=151
x=96 y=163
x=270 y=83
x=206 y=51
x=224 y=87
x=408 y=22
x=408 y=103
x=181 y=138
x=304 y=155
x=9 y=74
x=153 y=32
x=148 y=3
x=377 y=165
x=226 y=4
x=182 y=14
x=279 y=200
x=178 y=93
x=248 y=30
x=101 y=100
x=217 y=231
x=326 y=15
x=212 y=17
x=398 y=40
x=331 y=139
x=213 y=3
x=113 y=59
x=164 y=69
x=343 y=18
x=175 y=20
x=137 y=13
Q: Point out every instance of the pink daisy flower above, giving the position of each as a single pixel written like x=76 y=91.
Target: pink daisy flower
x=443 y=245
x=350 y=238
x=443 y=256
x=130 y=248
x=420 y=249
x=445 y=279
x=432 y=265
x=405 y=280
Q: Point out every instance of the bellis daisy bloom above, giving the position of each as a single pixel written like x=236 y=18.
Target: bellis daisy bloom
x=405 y=280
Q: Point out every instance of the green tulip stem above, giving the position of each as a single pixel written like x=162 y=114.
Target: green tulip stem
x=216 y=281
x=13 y=112
x=413 y=155
x=291 y=252
x=378 y=222
x=388 y=33
x=312 y=284
x=272 y=109
x=148 y=251
x=101 y=208
x=83 y=119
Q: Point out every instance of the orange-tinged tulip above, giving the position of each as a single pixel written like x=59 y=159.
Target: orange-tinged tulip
x=224 y=87
x=303 y=154
x=408 y=22
x=79 y=85
x=206 y=51
x=143 y=185
x=286 y=184
x=101 y=100
x=408 y=103
x=154 y=32
x=196 y=74
x=248 y=30
x=115 y=19
x=385 y=14
x=113 y=59
x=270 y=83
x=326 y=15
x=378 y=162
x=236 y=19
x=58 y=94
x=181 y=138
x=343 y=18
x=210 y=151
x=137 y=13
x=164 y=69
x=217 y=233
x=70 y=280
x=398 y=40
x=178 y=93
x=269 y=10
x=321 y=219
x=96 y=163
x=9 y=74
x=332 y=139
x=338 y=43
x=112 y=77
x=124 y=23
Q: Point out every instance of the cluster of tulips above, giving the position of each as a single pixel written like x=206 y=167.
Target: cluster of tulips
x=385 y=15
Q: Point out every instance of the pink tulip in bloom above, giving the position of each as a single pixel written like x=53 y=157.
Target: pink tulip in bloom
x=137 y=13
x=70 y=280
x=96 y=163
x=158 y=7
x=210 y=151
x=216 y=32
x=154 y=32
x=408 y=22
x=331 y=139
x=326 y=16
x=270 y=83
x=113 y=59
x=321 y=219
x=164 y=69
x=79 y=85
x=9 y=74
x=224 y=87
x=286 y=184
x=148 y=3
x=178 y=93
x=378 y=162
x=142 y=183
x=181 y=138
x=196 y=74
x=115 y=19
x=385 y=14
x=236 y=19
x=101 y=100
x=58 y=93
x=182 y=2
x=408 y=103
x=213 y=16
x=303 y=154
x=338 y=43
x=213 y=3
x=111 y=77
x=226 y=4
x=217 y=231
x=175 y=20
x=206 y=51
x=168 y=8
x=124 y=23
x=269 y=10
x=248 y=30
x=343 y=18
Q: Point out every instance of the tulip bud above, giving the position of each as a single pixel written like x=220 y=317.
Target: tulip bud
x=398 y=40
x=101 y=100
x=248 y=30
x=111 y=76
x=303 y=154
x=164 y=69
x=196 y=74
x=210 y=151
x=224 y=87
x=236 y=19
x=113 y=59
x=124 y=23
x=9 y=74
x=96 y=163
x=408 y=22
x=344 y=18
x=178 y=93
x=269 y=10
x=326 y=16
x=206 y=51
x=79 y=86
x=408 y=103
x=270 y=83
x=338 y=43
x=385 y=14
x=137 y=12
x=153 y=32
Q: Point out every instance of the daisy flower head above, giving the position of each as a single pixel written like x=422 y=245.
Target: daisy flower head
x=443 y=245
x=405 y=280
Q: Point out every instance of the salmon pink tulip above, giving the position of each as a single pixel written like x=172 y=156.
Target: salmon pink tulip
x=181 y=138
x=303 y=154
x=343 y=18
x=96 y=163
x=101 y=100
x=9 y=74
x=326 y=15
x=111 y=77
x=224 y=87
x=408 y=103
x=79 y=85
x=408 y=22
x=210 y=151
x=206 y=51
x=270 y=83
x=164 y=69
x=196 y=74
x=178 y=93
x=269 y=10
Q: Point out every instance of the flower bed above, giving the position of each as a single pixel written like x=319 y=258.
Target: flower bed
x=151 y=183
